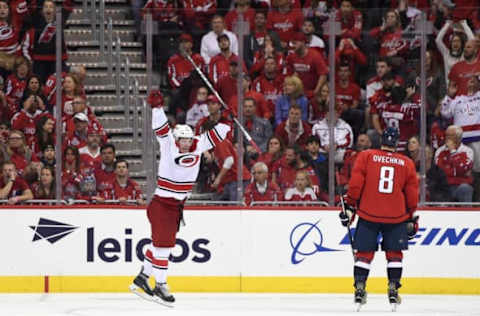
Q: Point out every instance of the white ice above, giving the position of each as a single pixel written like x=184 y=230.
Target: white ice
x=101 y=304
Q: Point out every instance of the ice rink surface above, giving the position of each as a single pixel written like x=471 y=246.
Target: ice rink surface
x=100 y=304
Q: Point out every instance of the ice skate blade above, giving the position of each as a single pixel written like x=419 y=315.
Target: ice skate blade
x=139 y=292
x=358 y=306
x=394 y=306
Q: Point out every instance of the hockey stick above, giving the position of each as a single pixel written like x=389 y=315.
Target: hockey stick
x=348 y=227
x=225 y=106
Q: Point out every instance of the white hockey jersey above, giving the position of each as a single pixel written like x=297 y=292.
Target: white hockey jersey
x=465 y=111
x=343 y=137
x=177 y=172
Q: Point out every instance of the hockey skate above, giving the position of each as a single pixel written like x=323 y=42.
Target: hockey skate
x=360 y=296
x=162 y=295
x=393 y=296
x=141 y=288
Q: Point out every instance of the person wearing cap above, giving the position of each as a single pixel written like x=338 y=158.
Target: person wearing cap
x=227 y=85
x=210 y=46
x=179 y=68
x=284 y=20
x=78 y=137
x=90 y=153
x=220 y=64
x=80 y=106
x=308 y=65
x=48 y=156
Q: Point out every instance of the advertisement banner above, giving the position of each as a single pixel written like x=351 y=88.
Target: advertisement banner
x=239 y=244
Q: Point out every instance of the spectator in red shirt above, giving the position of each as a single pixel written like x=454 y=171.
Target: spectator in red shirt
x=78 y=137
x=308 y=65
x=12 y=186
x=351 y=20
x=274 y=153
x=294 y=131
x=45 y=188
x=284 y=20
x=261 y=189
x=269 y=83
x=363 y=143
x=17 y=151
x=227 y=85
x=456 y=160
x=348 y=53
x=215 y=115
x=71 y=173
x=258 y=38
x=25 y=120
x=262 y=108
x=198 y=13
x=319 y=105
x=164 y=12
x=462 y=71
x=219 y=65
x=123 y=188
x=284 y=170
x=16 y=82
x=240 y=7
x=90 y=153
x=267 y=51
x=302 y=191
x=389 y=35
x=348 y=95
x=225 y=182
x=71 y=89
x=104 y=170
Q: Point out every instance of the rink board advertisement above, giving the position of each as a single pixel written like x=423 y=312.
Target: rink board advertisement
x=71 y=250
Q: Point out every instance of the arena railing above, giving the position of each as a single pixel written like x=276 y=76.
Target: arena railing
x=289 y=203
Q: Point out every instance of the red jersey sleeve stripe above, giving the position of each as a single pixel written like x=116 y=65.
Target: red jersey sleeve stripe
x=181 y=188
x=215 y=139
x=162 y=130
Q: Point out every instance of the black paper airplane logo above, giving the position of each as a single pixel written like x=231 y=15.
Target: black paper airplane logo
x=50 y=230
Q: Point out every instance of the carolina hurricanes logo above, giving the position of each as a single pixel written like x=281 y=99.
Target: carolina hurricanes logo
x=6 y=32
x=48 y=33
x=187 y=160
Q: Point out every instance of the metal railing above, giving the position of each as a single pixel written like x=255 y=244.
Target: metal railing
x=289 y=203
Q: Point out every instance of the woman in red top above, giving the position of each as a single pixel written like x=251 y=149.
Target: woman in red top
x=275 y=148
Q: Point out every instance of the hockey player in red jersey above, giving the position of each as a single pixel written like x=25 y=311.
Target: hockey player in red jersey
x=178 y=169
x=383 y=192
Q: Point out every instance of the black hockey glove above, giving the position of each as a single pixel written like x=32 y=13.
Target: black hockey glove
x=347 y=215
x=412 y=227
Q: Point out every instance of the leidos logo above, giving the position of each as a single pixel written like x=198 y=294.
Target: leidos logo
x=51 y=231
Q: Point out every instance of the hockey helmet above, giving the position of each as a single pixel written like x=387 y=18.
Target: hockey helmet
x=390 y=137
x=182 y=131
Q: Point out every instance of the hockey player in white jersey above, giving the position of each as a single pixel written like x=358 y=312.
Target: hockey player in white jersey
x=177 y=172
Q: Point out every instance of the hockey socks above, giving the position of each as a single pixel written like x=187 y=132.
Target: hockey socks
x=160 y=263
x=394 y=267
x=361 y=268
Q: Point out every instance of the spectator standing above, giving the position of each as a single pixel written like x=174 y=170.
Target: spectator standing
x=261 y=189
x=464 y=70
x=10 y=42
x=209 y=46
x=240 y=7
x=41 y=39
x=456 y=160
x=284 y=20
x=219 y=65
x=308 y=65
x=453 y=54
x=197 y=14
x=269 y=83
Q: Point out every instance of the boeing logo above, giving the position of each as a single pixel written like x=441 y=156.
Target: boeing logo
x=306 y=239
x=51 y=231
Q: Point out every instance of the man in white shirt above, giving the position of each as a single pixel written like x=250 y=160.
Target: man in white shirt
x=209 y=46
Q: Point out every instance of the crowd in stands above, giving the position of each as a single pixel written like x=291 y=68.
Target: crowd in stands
x=284 y=73
x=28 y=148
